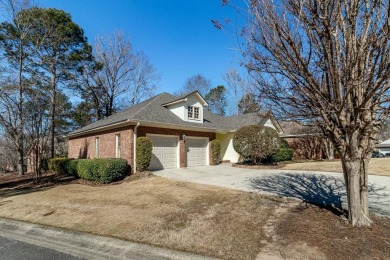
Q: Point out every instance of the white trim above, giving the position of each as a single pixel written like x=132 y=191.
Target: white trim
x=177 y=146
x=151 y=124
x=205 y=104
x=97 y=144
x=207 y=148
x=98 y=129
x=182 y=127
x=117 y=142
x=298 y=135
x=176 y=102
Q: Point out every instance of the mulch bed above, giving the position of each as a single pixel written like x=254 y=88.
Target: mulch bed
x=27 y=181
x=13 y=179
x=334 y=236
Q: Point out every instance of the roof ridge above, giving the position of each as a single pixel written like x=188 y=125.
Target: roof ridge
x=148 y=104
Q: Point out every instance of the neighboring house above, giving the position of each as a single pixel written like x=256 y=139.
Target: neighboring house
x=305 y=140
x=180 y=129
x=384 y=147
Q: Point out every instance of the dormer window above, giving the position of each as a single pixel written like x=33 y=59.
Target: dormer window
x=193 y=112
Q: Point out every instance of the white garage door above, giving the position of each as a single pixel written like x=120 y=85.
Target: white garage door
x=196 y=151
x=164 y=153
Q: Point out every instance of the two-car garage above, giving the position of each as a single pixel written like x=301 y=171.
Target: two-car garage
x=166 y=151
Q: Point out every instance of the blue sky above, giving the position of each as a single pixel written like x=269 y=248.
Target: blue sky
x=177 y=35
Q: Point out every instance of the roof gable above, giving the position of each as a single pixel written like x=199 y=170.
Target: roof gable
x=185 y=97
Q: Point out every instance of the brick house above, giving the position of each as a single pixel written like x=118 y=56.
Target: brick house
x=180 y=128
x=306 y=141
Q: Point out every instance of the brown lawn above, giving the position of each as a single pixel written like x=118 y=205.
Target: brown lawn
x=196 y=218
x=378 y=166
x=325 y=235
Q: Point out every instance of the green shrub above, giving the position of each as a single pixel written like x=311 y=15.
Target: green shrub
x=215 y=152
x=144 y=153
x=58 y=165
x=283 y=144
x=71 y=167
x=102 y=170
x=255 y=143
x=284 y=154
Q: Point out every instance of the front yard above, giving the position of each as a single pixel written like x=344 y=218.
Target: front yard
x=198 y=218
x=378 y=166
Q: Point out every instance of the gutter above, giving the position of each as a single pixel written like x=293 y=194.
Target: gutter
x=97 y=129
x=298 y=135
x=135 y=147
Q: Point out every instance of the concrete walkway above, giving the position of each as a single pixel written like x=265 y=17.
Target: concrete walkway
x=326 y=188
x=83 y=245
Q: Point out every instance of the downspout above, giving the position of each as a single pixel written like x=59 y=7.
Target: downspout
x=135 y=147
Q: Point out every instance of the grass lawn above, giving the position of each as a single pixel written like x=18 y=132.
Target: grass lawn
x=202 y=219
x=196 y=218
x=377 y=166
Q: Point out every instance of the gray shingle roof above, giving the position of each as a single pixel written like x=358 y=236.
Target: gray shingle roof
x=152 y=110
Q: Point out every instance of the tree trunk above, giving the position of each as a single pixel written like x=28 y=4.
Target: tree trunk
x=20 y=155
x=357 y=192
x=52 y=114
x=329 y=148
x=364 y=184
x=20 y=125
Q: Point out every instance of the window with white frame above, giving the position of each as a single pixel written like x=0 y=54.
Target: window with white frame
x=193 y=112
x=97 y=147
x=118 y=146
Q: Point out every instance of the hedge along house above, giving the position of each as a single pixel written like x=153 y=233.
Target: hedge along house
x=180 y=128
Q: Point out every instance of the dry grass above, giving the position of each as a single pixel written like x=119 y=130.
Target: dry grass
x=378 y=166
x=330 y=237
x=190 y=217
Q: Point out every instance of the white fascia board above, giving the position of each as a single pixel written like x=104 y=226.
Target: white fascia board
x=150 y=124
x=101 y=128
x=175 y=102
x=182 y=127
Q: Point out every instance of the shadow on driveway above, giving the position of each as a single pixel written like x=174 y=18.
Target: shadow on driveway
x=324 y=190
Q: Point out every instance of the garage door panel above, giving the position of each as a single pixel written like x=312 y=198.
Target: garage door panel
x=196 y=151
x=164 y=153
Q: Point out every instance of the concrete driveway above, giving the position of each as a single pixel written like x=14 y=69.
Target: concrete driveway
x=326 y=188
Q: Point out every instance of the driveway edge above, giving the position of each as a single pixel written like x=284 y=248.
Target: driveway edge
x=84 y=245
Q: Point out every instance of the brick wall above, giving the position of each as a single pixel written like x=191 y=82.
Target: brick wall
x=306 y=148
x=84 y=146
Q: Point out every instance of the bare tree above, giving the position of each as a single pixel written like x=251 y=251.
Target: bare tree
x=142 y=79
x=14 y=39
x=8 y=154
x=124 y=74
x=249 y=103
x=327 y=60
x=195 y=83
x=38 y=128
x=236 y=86
x=10 y=123
x=217 y=100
